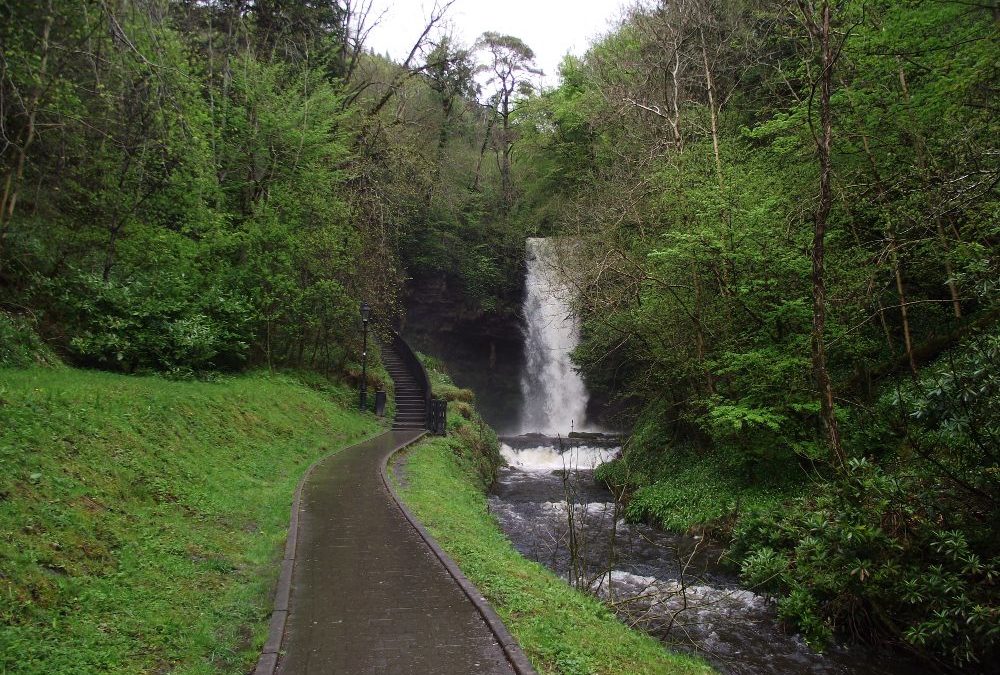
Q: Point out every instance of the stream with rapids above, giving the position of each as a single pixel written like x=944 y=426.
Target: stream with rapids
x=549 y=506
x=668 y=584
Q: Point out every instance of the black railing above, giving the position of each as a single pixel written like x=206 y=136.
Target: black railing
x=437 y=416
x=435 y=410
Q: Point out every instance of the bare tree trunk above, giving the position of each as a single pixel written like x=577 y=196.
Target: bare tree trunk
x=699 y=330
x=956 y=302
x=8 y=201
x=710 y=83
x=880 y=190
x=824 y=143
x=903 y=310
x=482 y=150
x=881 y=195
x=507 y=188
x=675 y=123
x=109 y=253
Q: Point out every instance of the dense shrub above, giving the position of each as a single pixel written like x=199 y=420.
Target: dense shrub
x=679 y=486
x=20 y=345
x=152 y=322
x=904 y=549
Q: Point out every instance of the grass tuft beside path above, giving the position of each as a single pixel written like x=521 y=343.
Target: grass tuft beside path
x=141 y=520
x=560 y=629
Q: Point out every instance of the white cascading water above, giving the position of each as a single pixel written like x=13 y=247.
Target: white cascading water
x=555 y=398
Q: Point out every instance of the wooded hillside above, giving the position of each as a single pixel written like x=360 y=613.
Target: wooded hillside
x=789 y=212
x=191 y=186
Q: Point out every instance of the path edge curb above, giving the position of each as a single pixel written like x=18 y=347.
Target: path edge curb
x=267 y=663
x=511 y=649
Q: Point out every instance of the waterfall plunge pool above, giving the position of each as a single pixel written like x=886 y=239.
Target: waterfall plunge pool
x=671 y=585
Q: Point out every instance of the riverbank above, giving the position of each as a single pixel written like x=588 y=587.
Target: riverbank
x=562 y=630
x=684 y=490
x=143 y=518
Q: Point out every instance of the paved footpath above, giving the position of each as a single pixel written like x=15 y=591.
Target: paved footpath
x=368 y=595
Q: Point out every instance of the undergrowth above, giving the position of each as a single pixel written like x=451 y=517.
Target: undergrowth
x=682 y=489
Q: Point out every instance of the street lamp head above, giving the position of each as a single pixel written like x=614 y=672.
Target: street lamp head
x=366 y=312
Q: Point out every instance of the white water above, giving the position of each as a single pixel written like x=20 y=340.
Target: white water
x=555 y=398
x=545 y=458
x=669 y=584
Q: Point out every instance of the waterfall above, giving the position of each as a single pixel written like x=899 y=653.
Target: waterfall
x=555 y=399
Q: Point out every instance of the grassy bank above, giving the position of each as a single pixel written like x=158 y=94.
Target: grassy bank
x=142 y=519
x=561 y=630
x=679 y=487
x=682 y=489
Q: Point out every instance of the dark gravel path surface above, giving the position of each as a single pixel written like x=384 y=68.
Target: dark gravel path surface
x=368 y=595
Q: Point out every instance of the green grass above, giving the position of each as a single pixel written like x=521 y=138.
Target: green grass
x=142 y=520
x=560 y=629
x=680 y=489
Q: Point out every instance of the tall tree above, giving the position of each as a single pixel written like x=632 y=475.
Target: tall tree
x=450 y=73
x=818 y=21
x=509 y=61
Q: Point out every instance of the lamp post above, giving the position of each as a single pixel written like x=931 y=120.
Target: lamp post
x=366 y=313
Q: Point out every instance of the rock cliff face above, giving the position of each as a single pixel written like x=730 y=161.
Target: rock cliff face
x=483 y=351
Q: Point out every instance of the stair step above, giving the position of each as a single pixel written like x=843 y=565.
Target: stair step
x=410 y=397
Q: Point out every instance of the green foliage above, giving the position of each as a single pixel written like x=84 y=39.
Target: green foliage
x=907 y=547
x=20 y=345
x=681 y=151
x=699 y=241
x=143 y=519
x=188 y=208
x=866 y=552
x=562 y=630
x=681 y=488
x=471 y=439
x=162 y=323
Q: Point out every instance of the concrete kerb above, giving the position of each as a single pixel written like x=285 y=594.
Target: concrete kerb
x=268 y=661
x=512 y=650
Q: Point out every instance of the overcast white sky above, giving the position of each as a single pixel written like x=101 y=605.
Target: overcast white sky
x=550 y=27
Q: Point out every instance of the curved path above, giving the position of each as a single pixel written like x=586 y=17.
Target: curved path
x=368 y=593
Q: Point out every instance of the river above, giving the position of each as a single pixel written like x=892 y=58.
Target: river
x=548 y=504
x=669 y=584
